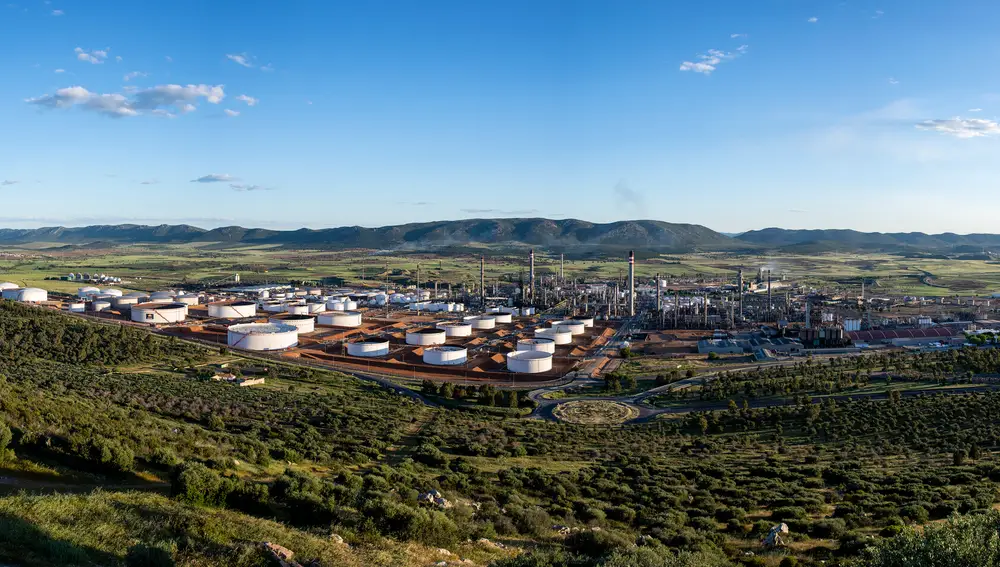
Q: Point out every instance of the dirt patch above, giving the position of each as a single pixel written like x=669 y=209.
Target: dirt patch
x=596 y=412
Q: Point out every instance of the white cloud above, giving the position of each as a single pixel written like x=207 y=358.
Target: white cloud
x=251 y=101
x=168 y=58
x=878 y=14
x=157 y=100
x=57 y=12
x=710 y=60
x=245 y=187
x=241 y=59
x=231 y=112
x=893 y=81
x=737 y=35
x=962 y=127
x=975 y=110
x=93 y=57
x=813 y=20
x=267 y=68
x=309 y=102
x=118 y=58
x=59 y=71
x=215 y=178
x=134 y=75
x=7 y=182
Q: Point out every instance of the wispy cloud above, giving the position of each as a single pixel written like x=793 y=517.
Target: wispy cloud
x=59 y=71
x=709 y=61
x=737 y=35
x=975 y=110
x=813 y=20
x=118 y=59
x=962 y=127
x=878 y=14
x=160 y=100
x=501 y=211
x=94 y=57
x=243 y=59
x=7 y=182
x=215 y=178
x=231 y=112
x=893 y=81
x=134 y=75
x=251 y=101
x=57 y=12
x=246 y=187
x=267 y=68
x=168 y=58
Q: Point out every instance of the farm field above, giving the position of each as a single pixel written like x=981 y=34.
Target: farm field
x=146 y=268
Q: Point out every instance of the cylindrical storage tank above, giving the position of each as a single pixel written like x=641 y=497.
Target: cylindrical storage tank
x=541 y=345
x=124 y=302
x=87 y=291
x=296 y=309
x=529 y=361
x=159 y=313
x=111 y=292
x=368 y=347
x=189 y=299
x=8 y=285
x=426 y=337
x=340 y=318
x=27 y=295
x=574 y=327
x=560 y=336
x=169 y=295
x=455 y=329
x=336 y=306
x=76 y=307
x=274 y=307
x=11 y=293
x=98 y=306
x=262 y=336
x=316 y=307
x=304 y=323
x=445 y=355
x=527 y=311
x=232 y=309
x=587 y=321
x=503 y=318
x=350 y=305
x=483 y=323
x=314 y=291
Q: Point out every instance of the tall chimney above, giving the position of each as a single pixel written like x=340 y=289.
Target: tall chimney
x=482 y=280
x=677 y=306
x=808 y=321
x=531 y=275
x=562 y=273
x=631 y=283
x=739 y=290
x=704 y=308
x=418 y=283
x=769 y=295
x=656 y=285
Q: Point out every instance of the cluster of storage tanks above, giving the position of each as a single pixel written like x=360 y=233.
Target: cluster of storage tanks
x=15 y=292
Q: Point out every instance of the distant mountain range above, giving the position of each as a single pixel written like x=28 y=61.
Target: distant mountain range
x=570 y=235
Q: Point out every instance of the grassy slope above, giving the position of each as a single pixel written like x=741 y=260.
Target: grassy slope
x=100 y=527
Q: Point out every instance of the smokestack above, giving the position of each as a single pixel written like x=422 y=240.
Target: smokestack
x=808 y=321
x=677 y=306
x=769 y=305
x=531 y=274
x=482 y=280
x=739 y=286
x=656 y=285
x=631 y=283
x=704 y=308
x=562 y=273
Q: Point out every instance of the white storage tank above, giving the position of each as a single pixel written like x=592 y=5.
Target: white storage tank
x=454 y=329
x=542 y=345
x=336 y=305
x=503 y=318
x=368 y=347
x=111 y=292
x=273 y=306
x=426 y=337
x=587 y=321
x=445 y=355
x=529 y=361
x=159 y=313
x=574 y=327
x=483 y=323
x=262 y=336
x=76 y=307
x=162 y=295
x=314 y=291
x=560 y=335
x=316 y=307
x=340 y=318
x=87 y=291
x=350 y=305
x=124 y=302
x=232 y=309
x=7 y=285
x=98 y=306
x=189 y=299
x=26 y=295
x=304 y=323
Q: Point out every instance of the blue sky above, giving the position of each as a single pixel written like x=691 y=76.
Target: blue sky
x=874 y=115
